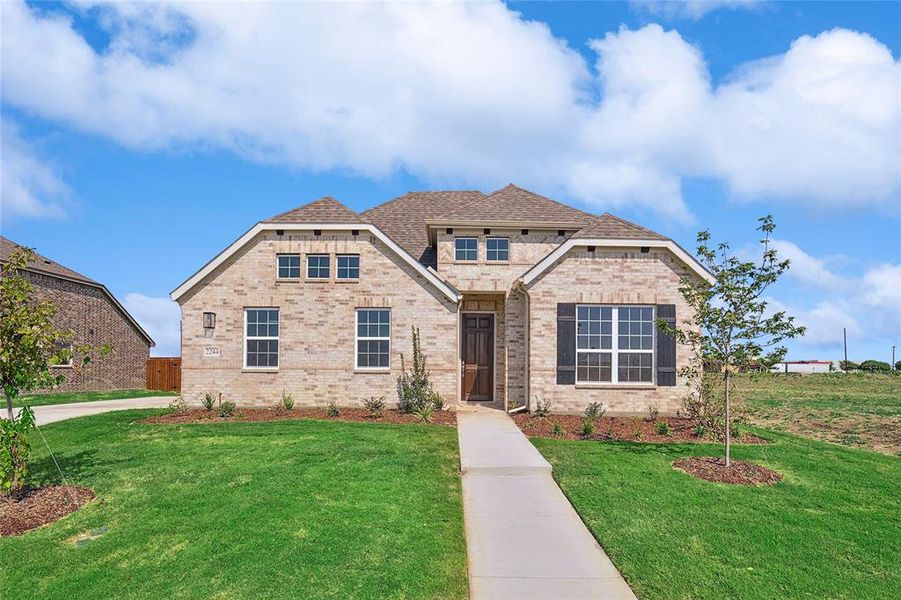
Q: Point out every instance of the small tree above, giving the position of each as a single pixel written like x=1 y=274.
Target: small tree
x=730 y=327
x=414 y=388
x=29 y=346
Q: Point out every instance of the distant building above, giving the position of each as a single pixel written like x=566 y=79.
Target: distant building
x=97 y=318
x=803 y=366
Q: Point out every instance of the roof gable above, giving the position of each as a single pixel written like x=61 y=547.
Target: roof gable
x=608 y=226
x=512 y=203
x=324 y=210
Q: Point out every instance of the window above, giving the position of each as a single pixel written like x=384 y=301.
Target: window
x=261 y=338
x=614 y=344
x=317 y=266
x=64 y=348
x=498 y=248
x=348 y=266
x=466 y=248
x=373 y=338
x=288 y=266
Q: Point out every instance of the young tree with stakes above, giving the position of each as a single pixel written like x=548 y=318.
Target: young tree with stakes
x=732 y=327
x=29 y=346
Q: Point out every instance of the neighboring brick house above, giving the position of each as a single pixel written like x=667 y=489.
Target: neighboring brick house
x=517 y=297
x=95 y=316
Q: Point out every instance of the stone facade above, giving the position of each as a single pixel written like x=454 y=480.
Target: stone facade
x=602 y=277
x=96 y=320
x=317 y=324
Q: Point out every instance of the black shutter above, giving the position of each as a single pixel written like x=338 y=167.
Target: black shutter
x=566 y=344
x=666 y=347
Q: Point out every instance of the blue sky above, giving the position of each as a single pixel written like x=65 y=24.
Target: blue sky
x=139 y=140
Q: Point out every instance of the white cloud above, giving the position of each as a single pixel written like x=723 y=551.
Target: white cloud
x=807 y=269
x=160 y=318
x=690 y=9
x=470 y=94
x=28 y=186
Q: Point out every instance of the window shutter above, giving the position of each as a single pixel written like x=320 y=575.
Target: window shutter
x=566 y=344
x=666 y=347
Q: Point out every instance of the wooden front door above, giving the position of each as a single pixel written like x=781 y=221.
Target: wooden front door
x=478 y=357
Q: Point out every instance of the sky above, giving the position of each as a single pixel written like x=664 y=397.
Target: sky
x=139 y=140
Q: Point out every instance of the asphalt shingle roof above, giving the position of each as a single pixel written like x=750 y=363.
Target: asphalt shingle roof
x=324 y=210
x=609 y=226
x=42 y=264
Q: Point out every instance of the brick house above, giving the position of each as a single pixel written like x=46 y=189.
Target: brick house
x=95 y=316
x=517 y=297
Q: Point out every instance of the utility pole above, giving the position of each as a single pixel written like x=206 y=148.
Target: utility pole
x=893 y=358
x=845 y=336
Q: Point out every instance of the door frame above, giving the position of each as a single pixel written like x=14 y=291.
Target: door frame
x=461 y=343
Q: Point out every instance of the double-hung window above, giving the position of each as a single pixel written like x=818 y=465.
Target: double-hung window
x=318 y=266
x=261 y=338
x=614 y=344
x=498 y=249
x=348 y=266
x=288 y=266
x=466 y=248
x=373 y=338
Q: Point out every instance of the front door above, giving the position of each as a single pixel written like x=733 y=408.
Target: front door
x=478 y=357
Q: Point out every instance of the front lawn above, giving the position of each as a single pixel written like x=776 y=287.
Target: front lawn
x=307 y=509
x=830 y=529
x=853 y=409
x=72 y=397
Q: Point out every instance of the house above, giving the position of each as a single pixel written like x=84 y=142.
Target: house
x=517 y=297
x=87 y=308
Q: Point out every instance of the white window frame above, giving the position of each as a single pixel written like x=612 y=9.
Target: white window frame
x=338 y=258
x=488 y=250
x=262 y=337
x=299 y=265
x=70 y=362
x=615 y=349
x=357 y=339
x=307 y=266
x=466 y=237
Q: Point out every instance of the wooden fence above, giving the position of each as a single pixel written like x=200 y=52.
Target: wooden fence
x=164 y=374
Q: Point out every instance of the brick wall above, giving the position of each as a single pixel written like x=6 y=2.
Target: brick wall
x=95 y=320
x=608 y=277
x=317 y=332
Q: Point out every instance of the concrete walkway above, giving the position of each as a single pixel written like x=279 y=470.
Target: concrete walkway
x=60 y=412
x=523 y=537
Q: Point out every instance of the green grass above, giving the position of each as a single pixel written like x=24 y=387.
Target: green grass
x=311 y=509
x=855 y=409
x=72 y=397
x=830 y=529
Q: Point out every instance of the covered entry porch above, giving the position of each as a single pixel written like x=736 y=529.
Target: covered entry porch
x=493 y=349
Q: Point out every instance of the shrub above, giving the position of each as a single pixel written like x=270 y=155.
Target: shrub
x=414 y=388
x=875 y=366
x=699 y=431
x=14 y=450
x=542 y=407
x=437 y=401
x=898 y=366
x=848 y=365
x=208 y=401
x=178 y=405
x=287 y=401
x=557 y=430
x=663 y=428
x=653 y=411
x=587 y=427
x=375 y=405
x=226 y=409
x=738 y=430
x=595 y=411
x=424 y=413
x=332 y=409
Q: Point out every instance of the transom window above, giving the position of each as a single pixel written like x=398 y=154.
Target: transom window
x=498 y=248
x=614 y=344
x=466 y=248
x=373 y=338
x=348 y=266
x=289 y=266
x=261 y=338
x=317 y=266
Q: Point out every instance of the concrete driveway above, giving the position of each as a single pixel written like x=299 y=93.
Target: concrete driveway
x=60 y=412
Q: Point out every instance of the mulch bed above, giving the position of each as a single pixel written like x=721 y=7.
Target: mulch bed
x=739 y=472
x=34 y=507
x=357 y=415
x=622 y=429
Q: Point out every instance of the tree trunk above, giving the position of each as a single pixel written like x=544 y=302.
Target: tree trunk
x=726 y=403
x=9 y=406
